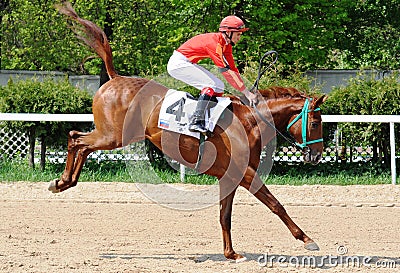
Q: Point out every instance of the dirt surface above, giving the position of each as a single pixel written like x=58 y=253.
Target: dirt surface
x=113 y=227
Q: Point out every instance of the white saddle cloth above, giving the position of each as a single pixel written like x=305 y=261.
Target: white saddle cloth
x=178 y=108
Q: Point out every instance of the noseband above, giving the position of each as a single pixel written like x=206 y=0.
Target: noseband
x=304 y=122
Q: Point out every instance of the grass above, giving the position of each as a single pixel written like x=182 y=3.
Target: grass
x=362 y=173
x=281 y=173
x=337 y=179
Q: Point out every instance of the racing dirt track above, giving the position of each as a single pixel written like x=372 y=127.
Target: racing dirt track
x=112 y=227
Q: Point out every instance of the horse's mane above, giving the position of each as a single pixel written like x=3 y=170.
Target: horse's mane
x=277 y=92
x=274 y=92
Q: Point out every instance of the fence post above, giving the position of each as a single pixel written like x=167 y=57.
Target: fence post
x=182 y=172
x=392 y=153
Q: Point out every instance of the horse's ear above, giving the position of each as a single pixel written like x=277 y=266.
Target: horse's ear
x=320 y=101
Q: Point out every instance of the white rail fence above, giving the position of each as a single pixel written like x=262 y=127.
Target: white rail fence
x=391 y=119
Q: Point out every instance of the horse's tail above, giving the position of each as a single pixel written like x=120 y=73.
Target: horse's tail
x=92 y=35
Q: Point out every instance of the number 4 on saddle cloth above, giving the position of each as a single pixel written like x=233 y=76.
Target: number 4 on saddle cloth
x=178 y=107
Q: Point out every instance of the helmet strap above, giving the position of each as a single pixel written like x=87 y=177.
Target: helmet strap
x=229 y=37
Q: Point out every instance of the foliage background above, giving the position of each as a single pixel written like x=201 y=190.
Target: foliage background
x=366 y=95
x=47 y=97
x=308 y=34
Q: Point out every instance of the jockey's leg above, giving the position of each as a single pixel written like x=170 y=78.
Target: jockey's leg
x=197 y=122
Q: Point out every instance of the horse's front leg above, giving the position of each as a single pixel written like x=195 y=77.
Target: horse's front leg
x=225 y=220
x=253 y=183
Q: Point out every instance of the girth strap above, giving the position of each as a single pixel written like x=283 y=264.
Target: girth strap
x=201 y=151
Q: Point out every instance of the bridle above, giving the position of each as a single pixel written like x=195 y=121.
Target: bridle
x=304 y=122
x=303 y=114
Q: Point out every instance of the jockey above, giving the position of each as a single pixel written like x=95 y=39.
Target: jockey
x=218 y=47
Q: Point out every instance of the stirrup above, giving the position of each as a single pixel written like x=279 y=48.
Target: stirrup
x=197 y=128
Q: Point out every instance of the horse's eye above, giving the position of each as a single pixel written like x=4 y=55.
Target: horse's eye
x=314 y=125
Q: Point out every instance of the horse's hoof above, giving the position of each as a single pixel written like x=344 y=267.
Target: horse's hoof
x=312 y=246
x=241 y=260
x=53 y=186
x=234 y=257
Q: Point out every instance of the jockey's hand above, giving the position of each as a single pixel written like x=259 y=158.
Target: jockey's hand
x=251 y=97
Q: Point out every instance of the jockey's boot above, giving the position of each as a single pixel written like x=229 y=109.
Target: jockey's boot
x=197 y=122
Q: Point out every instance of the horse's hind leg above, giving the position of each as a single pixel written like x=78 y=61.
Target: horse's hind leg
x=80 y=145
x=259 y=190
x=80 y=159
x=79 y=162
x=69 y=162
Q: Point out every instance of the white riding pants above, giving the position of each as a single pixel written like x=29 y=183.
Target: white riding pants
x=192 y=74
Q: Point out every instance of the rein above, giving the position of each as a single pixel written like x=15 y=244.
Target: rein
x=304 y=121
x=290 y=140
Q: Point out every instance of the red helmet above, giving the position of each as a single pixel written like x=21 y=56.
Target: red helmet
x=232 y=23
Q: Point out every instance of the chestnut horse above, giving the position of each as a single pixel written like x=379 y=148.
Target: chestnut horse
x=126 y=109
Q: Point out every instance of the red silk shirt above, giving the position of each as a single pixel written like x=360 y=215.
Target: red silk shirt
x=214 y=46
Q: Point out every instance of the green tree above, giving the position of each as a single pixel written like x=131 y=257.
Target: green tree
x=34 y=38
x=303 y=32
x=308 y=34
x=371 y=38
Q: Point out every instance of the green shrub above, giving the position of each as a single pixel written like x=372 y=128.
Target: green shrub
x=47 y=97
x=366 y=96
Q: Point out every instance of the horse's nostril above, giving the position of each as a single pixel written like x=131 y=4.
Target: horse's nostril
x=317 y=158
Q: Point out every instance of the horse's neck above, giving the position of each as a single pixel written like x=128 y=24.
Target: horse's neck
x=283 y=109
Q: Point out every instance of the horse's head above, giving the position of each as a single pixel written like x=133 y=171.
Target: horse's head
x=306 y=128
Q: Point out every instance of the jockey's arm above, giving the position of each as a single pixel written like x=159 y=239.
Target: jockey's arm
x=236 y=81
x=233 y=78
